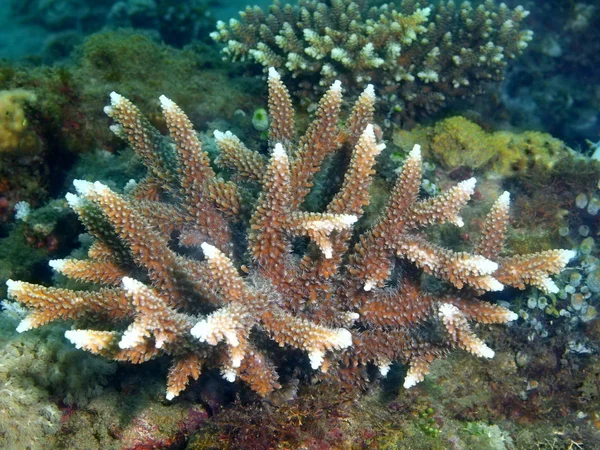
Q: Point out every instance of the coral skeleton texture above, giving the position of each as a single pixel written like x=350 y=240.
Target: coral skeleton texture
x=421 y=54
x=186 y=268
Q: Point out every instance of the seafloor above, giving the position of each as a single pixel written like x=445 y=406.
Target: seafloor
x=535 y=134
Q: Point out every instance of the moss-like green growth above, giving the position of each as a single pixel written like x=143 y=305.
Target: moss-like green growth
x=18 y=259
x=479 y=435
x=141 y=69
x=67 y=116
x=49 y=230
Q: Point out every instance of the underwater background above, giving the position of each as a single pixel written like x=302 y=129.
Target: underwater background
x=395 y=329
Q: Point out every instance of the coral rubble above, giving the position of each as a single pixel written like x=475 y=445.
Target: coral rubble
x=422 y=56
x=273 y=269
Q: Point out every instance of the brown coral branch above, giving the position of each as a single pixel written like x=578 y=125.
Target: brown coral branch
x=50 y=304
x=281 y=112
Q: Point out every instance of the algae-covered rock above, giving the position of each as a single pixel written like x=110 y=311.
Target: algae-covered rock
x=39 y=373
x=15 y=131
x=457 y=142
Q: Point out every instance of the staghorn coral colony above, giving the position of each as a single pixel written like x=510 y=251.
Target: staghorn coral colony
x=421 y=55
x=184 y=267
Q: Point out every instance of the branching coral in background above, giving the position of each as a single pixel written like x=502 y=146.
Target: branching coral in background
x=421 y=56
x=346 y=299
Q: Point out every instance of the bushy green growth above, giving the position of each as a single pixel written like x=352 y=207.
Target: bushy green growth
x=141 y=69
x=18 y=259
x=43 y=233
x=114 y=170
x=479 y=435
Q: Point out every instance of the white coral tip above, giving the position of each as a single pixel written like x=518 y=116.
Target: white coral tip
x=370 y=90
x=448 y=310
x=170 y=395
x=100 y=188
x=131 y=285
x=494 y=285
x=384 y=368
x=116 y=129
x=166 y=102
x=57 y=264
x=13 y=286
x=82 y=187
x=202 y=330
x=25 y=325
x=236 y=361
x=279 y=151
x=415 y=153
x=510 y=316
x=548 y=286
x=316 y=358
x=354 y=316
x=348 y=219
x=342 y=339
x=73 y=200
x=79 y=338
x=75 y=337
x=229 y=375
x=485 y=266
x=115 y=98
x=410 y=380
x=567 y=255
x=210 y=251
x=131 y=337
x=231 y=338
x=485 y=352
x=504 y=199
x=468 y=185
x=273 y=74
x=336 y=86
